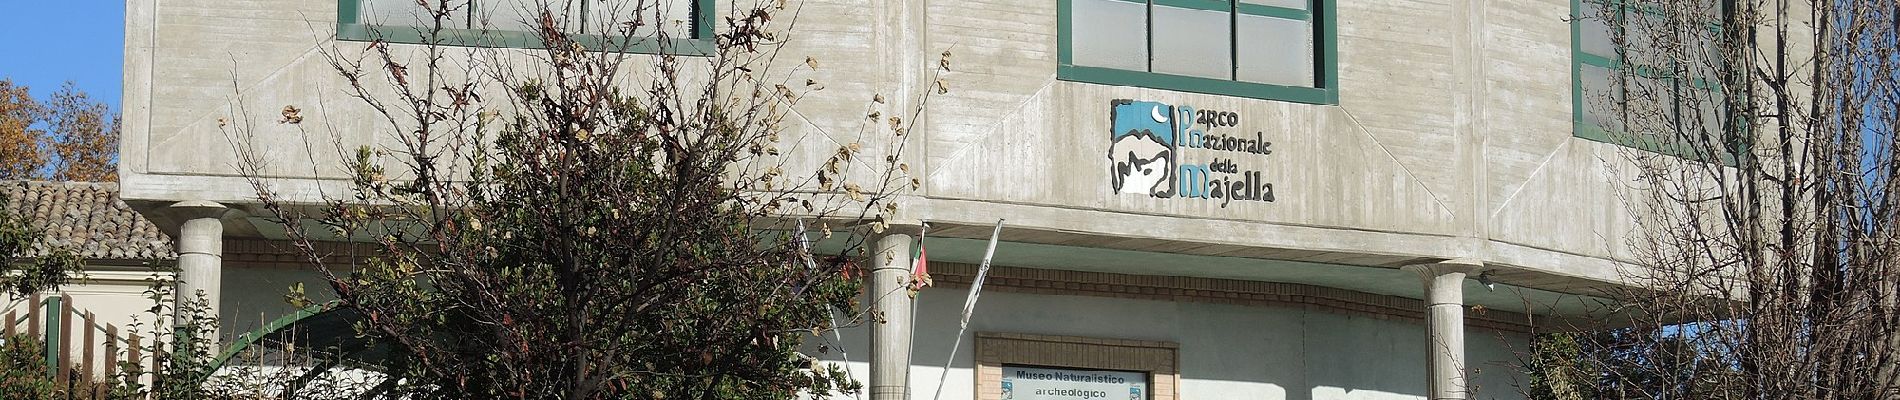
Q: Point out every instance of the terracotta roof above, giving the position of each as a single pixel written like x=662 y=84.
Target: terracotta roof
x=88 y=218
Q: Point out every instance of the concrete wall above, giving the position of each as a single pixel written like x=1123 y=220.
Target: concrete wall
x=1453 y=121
x=1226 y=351
x=1451 y=138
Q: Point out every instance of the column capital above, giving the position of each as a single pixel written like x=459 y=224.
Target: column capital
x=194 y=209
x=1465 y=266
x=911 y=227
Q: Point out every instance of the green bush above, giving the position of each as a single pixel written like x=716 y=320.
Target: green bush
x=24 y=376
x=23 y=369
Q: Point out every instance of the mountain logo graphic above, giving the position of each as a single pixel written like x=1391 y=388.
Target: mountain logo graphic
x=1142 y=147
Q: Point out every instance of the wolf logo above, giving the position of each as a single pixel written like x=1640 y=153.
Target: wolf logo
x=1141 y=149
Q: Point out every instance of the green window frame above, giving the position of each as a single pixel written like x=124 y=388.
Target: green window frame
x=350 y=26
x=1319 y=13
x=1623 y=70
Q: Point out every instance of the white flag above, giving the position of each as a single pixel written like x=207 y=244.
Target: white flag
x=969 y=305
x=982 y=270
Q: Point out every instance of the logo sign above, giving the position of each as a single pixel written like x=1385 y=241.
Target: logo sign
x=1168 y=151
x=1030 y=383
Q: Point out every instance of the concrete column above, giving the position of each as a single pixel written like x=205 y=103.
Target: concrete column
x=891 y=301
x=1445 y=325
x=200 y=254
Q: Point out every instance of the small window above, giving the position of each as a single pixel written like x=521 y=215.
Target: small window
x=1266 y=49
x=1646 y=73
x=606 y=25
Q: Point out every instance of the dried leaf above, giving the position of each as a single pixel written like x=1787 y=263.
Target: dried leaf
x=854 y=192
x=292 y=115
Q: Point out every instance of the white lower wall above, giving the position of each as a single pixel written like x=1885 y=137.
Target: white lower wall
x=1226 y=351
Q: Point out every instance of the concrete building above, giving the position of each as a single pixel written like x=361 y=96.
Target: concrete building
x=1272 y=199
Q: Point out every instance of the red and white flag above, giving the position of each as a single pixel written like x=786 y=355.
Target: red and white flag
x=920 y=270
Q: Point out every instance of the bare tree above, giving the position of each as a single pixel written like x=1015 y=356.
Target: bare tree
x=1764 y=162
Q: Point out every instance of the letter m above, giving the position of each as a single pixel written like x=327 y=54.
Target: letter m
x=1193 y=179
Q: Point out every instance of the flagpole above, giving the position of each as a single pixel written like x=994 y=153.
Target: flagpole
x=969 y=306
x=916 y=293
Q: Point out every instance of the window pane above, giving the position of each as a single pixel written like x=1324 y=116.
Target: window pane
x=1710 y=110
x=1651 y=105
x=1293 y=4
x=1193 y=43
x=1600 y=98
x=1700 y=111
x=1708 y=12
x=1648 y=39
x=1595 y=32
x=408 y=13
x=1707 y=63
x=611 y=16
x=522 y=15
x=1275 y=50
x=1110 y=34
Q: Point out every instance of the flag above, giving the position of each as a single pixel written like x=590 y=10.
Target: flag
x=982 y=270
x=969 y=306
x=804 y=246
x=920 y=270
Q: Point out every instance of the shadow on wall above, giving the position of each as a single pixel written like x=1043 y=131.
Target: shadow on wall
x=254 y=295
x=1226 y=351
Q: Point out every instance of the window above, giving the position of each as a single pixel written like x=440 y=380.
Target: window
x=1647 y=73
x=596 y=24
x=1266 y=49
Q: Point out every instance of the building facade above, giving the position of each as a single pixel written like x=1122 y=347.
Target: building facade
x=1276 y=199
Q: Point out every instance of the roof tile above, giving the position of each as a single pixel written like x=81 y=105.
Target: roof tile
x=88 y=218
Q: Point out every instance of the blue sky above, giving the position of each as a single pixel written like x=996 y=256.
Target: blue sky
x=43 y=44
